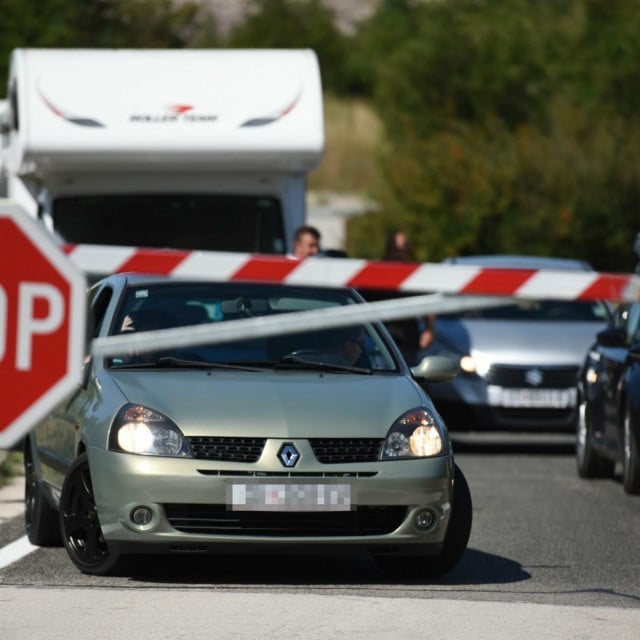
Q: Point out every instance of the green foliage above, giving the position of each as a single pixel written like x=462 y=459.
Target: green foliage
x=102 y=23
x=376 y=39
x=294 y=24
x=505 y=125
x=512 y=127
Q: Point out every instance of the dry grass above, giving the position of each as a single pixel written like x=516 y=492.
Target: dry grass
x=353 y=136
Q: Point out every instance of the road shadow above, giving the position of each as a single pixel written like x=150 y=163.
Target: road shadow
x=475 y=568
x=480 y=568
x=513 y=443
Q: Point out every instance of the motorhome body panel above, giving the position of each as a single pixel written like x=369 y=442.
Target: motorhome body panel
x=243 y=124
x=123 y=108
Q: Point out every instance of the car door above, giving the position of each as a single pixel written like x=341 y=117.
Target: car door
x=614 y=354
x=632 y=339
x=57 y=434
x=612 y=349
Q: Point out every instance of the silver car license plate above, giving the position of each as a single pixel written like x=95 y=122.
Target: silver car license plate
x=533 y=398
x=280 y=496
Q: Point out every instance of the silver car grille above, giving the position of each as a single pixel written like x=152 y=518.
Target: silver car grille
x=227 y=449
x=248 y=450
x=218 y=520
x=346 y=450
x=561 y=377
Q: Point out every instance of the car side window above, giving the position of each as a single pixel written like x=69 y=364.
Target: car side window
x=633 y=324
x=97 y=310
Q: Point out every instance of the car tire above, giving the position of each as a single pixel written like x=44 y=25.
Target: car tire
x=40 y=518
x=589 y=464
x=80 y=525
x=630 y=454
x=455 y=542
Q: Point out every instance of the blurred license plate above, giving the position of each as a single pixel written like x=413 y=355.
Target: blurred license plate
x=277 y=496
x=538 y=398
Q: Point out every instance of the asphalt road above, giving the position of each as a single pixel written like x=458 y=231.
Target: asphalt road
x=541 y=536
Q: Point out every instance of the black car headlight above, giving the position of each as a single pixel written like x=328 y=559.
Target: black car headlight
x=415 y=434
x=138 y=429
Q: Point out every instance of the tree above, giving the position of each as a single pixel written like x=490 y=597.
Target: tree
x=293 y=24
x=102 y=23
x=512 y=127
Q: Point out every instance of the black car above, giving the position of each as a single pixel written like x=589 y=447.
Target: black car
x=609 y=389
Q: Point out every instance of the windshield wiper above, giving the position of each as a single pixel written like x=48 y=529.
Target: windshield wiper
x=291 y=360
x=170 y=362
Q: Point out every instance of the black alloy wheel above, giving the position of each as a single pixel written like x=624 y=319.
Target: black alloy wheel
x=455 y=542
x=458 y=531
x=589 y=464
x=630 y=453
x=40 y=518
x=81 y=531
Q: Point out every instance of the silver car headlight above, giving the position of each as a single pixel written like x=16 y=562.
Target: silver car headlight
x=138 y=429
x=475 y=364
x=415 y=434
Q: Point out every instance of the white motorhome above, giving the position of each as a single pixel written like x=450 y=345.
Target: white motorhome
x=193 y=149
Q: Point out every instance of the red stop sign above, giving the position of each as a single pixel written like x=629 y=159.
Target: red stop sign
x=42 y=323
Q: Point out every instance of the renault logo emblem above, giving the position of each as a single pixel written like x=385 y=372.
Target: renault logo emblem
x=288 y=455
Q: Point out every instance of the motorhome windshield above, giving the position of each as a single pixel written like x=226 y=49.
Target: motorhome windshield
x=250 y=224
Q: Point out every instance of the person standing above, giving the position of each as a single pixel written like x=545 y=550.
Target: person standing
x=306 y=242
x=397 y=249
x=412 y=335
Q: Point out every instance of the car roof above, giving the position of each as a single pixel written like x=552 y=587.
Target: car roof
x=509 y=261
x=143 y=279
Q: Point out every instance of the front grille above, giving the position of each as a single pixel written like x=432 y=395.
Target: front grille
x=218 y=520
x=349 y=450
x=235 y=473
x=535 y=416
x=227 y=449
x=326 y=450
x=552 y=377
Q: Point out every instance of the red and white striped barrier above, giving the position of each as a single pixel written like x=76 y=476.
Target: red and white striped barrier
x=405 y=277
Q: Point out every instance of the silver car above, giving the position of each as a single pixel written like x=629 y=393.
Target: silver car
x=312 y=441
x=519 y=362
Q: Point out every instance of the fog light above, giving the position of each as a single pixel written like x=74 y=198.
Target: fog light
x=141 y=516
x=425 y=520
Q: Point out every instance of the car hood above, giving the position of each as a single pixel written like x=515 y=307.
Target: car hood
x=543 y=343
x=287 y=404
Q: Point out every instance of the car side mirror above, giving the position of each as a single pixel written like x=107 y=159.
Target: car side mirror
x=612 y=337
x=436 y=369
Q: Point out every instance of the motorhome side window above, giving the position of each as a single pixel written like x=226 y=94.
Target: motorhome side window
x=251 y=224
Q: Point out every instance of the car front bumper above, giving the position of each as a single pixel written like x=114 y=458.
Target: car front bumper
x=470 y=403
x=191 y=509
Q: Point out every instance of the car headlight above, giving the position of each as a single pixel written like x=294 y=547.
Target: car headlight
x=591 y=375
x=477 y=363
x=415 y=434
x=138 y=429
x=468 y=364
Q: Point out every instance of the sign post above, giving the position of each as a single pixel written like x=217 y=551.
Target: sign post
x=42 y=323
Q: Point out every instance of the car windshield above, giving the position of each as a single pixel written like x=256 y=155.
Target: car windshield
x=356 y=348
x=540 y=310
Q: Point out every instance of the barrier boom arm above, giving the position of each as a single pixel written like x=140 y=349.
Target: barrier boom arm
x=402 y=277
